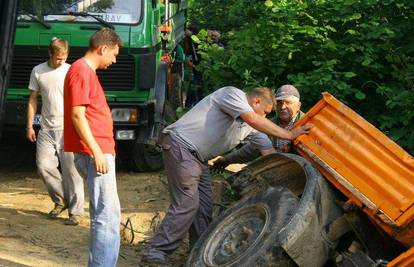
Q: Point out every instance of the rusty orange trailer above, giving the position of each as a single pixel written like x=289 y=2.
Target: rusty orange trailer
x=369 y=168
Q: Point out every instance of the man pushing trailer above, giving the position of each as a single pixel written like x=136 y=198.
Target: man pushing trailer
x=287 y=114
x=214 y=126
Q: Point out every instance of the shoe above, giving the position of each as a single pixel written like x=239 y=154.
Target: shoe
x=153 y=262
x=58 y=209
x=73 y=220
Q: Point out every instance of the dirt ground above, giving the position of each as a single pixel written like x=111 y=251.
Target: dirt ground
x=29 y=238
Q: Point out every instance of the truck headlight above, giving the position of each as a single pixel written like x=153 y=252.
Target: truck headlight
x=125 y=135
x=125 y=114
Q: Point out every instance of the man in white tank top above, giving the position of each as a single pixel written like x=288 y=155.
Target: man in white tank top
x=64 y=184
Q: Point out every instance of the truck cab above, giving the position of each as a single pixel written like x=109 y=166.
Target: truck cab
x=136 y=87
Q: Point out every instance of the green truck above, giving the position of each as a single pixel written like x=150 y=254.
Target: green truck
x=142 y=88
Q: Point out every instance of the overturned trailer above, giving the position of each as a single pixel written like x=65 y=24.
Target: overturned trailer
x=348 y=201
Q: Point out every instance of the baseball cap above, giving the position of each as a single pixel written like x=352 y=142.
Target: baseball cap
x=287 y=91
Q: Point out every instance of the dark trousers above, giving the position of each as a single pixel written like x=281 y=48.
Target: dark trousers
x=190 y=210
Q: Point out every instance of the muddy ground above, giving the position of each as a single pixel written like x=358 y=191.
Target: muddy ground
x=29 y=238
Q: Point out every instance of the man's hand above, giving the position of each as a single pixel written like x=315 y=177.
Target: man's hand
x=31 y=111
x=303 y=129
x=31 y=135
x=82 y=128
x=219 y=165
x=101 y=164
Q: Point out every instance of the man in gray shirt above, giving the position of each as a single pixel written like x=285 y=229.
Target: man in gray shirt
x=287 y=114
x=214 y=126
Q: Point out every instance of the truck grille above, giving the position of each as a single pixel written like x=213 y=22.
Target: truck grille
x=118 y=77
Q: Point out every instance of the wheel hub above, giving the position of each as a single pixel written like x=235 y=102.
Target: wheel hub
x=236 y=235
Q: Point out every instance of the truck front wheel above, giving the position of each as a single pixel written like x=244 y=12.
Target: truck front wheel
x=138 y=157
x=146 y=157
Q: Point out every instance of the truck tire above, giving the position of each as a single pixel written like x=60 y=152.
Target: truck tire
x=145 y=158
x=244 y=235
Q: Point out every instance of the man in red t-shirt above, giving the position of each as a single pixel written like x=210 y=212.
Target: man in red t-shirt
x=88 y=133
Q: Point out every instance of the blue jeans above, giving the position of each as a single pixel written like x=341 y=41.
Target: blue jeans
x=104 y=211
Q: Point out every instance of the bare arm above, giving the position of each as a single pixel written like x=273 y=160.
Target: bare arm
x=31 y=111
x=266 y=126
x=84 y=131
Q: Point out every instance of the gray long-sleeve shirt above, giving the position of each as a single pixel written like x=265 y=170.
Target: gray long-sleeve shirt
x=214 y=127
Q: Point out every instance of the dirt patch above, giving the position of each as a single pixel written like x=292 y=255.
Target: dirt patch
x=29 y=238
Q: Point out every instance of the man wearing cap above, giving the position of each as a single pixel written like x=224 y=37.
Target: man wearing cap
x=287 y=114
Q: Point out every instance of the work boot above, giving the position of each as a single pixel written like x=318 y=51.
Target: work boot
x=73 y=220
x=56 y=211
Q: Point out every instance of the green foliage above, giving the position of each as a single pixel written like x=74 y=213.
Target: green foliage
x=224 y=15
x=360 y=51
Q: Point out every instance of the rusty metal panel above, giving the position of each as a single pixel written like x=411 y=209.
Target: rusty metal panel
x=360 y=160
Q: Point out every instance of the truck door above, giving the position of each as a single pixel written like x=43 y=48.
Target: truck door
x=7 y=26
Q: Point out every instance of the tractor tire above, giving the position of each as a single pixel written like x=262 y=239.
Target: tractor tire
x=276 y=170
x=306 y=236
x=245 y=234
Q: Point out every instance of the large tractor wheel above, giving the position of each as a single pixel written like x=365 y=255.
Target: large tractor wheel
x=310 y=236
x=244 y=235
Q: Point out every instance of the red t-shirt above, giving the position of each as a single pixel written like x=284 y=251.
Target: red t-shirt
x=82 y=88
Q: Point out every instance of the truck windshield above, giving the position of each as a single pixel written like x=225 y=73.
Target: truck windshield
x=112 y=11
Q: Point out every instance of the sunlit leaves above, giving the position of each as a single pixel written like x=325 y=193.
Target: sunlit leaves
x=360 y=51
x=268 y=3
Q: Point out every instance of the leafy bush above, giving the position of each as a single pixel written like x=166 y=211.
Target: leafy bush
x=359 y=51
